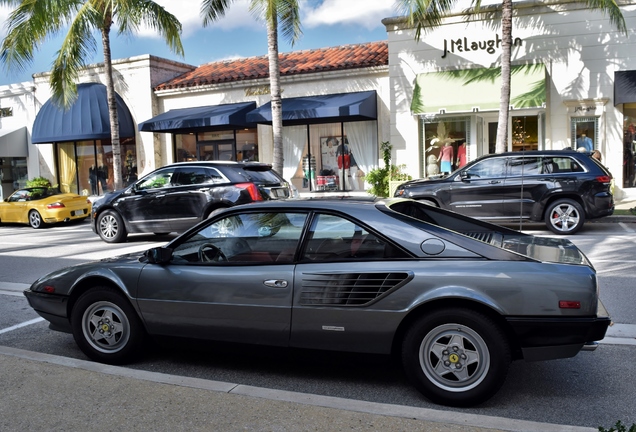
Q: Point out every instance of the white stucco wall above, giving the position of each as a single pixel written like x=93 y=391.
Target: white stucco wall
x=581 y=51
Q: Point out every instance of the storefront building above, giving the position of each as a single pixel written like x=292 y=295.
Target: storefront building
x=573 y=85
x=334 y=109
x=16 y=112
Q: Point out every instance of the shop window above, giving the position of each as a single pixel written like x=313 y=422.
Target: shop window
x=442 y=139
x=629 y=145
x=584 y=133
x=185 y=147
x=13 y=175
x=246 y=145
x=67 y=167
x=525 y=133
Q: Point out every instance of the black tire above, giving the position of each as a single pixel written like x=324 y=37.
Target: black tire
x=456 y=357
x=110 y=227
x=564 y=216
x=35 y=220
x=106 y=327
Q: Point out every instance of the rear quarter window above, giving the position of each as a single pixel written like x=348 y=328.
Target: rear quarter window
x=565 y=164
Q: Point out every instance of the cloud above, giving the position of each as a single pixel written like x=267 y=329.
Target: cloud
x=365 y=13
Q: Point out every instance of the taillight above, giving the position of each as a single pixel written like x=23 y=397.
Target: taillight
x=48 y=289
x=55 y=205
x=604 y=179
x=252 y=189
x=569 y=304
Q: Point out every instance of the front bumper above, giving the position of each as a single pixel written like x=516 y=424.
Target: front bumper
x=51 y=307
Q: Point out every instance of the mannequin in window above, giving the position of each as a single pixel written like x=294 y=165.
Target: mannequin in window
x=585 y=142
x=102 y=176
x=309 y=170
x=92 y=180
x=461 y=155
x=446 y=156
x=344 y=165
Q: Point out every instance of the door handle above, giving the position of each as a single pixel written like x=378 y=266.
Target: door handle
x=494 y=181
x=275 y=283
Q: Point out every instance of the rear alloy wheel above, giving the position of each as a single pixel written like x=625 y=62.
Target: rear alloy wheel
x=106 y=327
x=35 y=220
x=456 y=357
x=110 y=227
x=564 y=216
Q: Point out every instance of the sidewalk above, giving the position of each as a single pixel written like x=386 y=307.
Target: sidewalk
x=55 y=393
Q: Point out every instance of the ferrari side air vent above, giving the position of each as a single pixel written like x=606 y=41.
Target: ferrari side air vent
x=349 y=289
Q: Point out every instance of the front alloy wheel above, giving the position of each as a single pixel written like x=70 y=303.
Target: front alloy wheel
x=110 y=227
x=106 y=327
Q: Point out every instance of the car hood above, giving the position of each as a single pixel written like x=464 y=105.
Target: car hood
x=546 y=249
x=442 y=178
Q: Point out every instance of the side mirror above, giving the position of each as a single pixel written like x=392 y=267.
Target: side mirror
x=158 y=255
x=464 y=175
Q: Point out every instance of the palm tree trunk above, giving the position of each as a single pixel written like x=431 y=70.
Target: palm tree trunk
x=112 y=108
x=276 y=102
x=504 y=103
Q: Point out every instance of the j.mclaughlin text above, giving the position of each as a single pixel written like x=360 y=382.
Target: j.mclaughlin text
x=464 y=45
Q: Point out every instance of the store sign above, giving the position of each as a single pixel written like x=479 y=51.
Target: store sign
x=584 y=110
x=257 y=90
x=6 y=112
x=465 y=44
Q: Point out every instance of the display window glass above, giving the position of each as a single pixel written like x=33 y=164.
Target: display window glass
x=629 y=146
x=444 y=146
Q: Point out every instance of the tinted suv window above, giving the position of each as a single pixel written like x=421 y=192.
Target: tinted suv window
x=518 y=166
x=487 y=168
x=260 y=176
x=197 y=175
x=159 y=179
x=562 y=165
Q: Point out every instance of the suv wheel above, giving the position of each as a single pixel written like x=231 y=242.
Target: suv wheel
x=564 y=216
x=110 y=227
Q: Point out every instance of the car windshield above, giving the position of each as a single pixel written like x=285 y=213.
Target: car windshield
x=32 y=194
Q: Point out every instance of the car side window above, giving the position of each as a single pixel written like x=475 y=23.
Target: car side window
x=333 y=238
x=21 y=195
x=488 y=168
x=157 y=180
x=248 y=238
x=524 y=166
x=563 y=165
x=196 y=175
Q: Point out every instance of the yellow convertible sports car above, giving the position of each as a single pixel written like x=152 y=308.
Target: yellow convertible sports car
x=38 y=206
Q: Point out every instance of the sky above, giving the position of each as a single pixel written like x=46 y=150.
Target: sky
x=325 y=23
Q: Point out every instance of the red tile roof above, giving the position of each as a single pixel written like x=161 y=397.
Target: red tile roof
x=293 y=63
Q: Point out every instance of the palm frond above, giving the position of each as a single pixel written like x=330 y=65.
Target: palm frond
x=212 y=10
x=610 y=7
x=289 y=20
x=77 y=46
x=130 y=14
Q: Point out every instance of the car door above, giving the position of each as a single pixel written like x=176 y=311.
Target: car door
x=478 y=190
x=232 y=280
x=343 y=269
x=146 y=206
x=14 y=209
x=190 y=195
x=525 y=186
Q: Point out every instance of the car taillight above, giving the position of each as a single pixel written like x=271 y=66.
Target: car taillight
x=252 y=189
x=569 y=304
x=55 y=205
x=603 y=179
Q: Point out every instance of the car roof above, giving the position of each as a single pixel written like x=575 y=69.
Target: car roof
x=337 y=203
x=567 y=152
x=217 y=163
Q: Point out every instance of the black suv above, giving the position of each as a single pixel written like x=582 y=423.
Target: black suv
x=561 y=187
x=177 y=196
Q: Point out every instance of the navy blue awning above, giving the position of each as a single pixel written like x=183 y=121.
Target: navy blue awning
x=86 y=119
x=232 y=115
x=321 y=109
x=624 y=87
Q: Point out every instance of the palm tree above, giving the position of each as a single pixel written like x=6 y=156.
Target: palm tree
x=425 y=14
x=32 y=22
x=272 y=11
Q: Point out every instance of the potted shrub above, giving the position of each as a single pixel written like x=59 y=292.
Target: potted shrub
x=384 y=180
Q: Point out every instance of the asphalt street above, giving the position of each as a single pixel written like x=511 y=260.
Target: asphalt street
x=44 y=388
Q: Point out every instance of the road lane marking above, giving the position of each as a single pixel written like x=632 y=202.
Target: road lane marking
x=24 y=324
x=626 y=228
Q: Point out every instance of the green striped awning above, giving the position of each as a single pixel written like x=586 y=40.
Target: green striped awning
x=470 y=89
